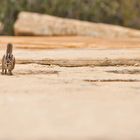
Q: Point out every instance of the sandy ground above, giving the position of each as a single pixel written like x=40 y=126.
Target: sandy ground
x=46 y=100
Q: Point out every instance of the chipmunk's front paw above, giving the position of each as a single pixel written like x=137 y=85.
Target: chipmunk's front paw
x=10 y=73
x=2 y=73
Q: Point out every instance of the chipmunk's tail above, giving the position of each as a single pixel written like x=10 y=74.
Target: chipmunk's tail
x=9 y=48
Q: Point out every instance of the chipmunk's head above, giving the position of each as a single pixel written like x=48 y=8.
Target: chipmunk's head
x=9 y=48
x=10 y=45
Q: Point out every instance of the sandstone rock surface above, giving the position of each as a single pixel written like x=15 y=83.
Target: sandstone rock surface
x=73 y=58
x=81 y=102
x=58 y=103
x=66 y=51
x=46 y=25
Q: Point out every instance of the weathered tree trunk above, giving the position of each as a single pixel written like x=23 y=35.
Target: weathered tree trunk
x=1 y=27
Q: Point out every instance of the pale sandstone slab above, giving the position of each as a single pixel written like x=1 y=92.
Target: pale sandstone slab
x=69 y=42
x=42 y=102
x=63 y=106
x=46 y=25
x=79 y=57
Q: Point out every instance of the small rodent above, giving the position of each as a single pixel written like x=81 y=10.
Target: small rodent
x=8 y=60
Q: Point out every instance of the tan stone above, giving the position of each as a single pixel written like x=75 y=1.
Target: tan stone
x=57 y=103
x=46 y=25
x=74 y=51
x=49 y=102
x=73 y=58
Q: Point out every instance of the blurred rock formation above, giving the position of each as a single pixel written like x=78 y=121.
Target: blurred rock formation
x=46 y=25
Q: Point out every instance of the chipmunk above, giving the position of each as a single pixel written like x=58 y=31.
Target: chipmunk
x=8 y=61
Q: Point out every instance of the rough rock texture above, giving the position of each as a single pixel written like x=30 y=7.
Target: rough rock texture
x=54 y=102
x=73 y=58
x=65 y=42
x=57 y=103
x=95 y=51
x=38 y=24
